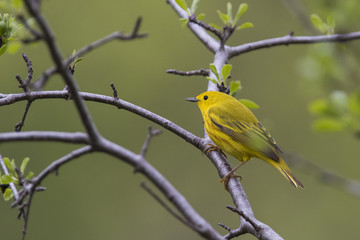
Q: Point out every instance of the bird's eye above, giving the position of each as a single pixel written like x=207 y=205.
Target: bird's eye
x=206 y=97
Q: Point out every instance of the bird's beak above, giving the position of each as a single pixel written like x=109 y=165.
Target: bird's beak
x=192 y=99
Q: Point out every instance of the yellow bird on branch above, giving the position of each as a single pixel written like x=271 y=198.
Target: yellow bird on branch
x=236 y=130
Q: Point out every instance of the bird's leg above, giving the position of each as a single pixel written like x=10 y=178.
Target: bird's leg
x=231 y=175
x=213 y=147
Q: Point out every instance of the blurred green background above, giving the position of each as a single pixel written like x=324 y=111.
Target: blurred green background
x=99 y=197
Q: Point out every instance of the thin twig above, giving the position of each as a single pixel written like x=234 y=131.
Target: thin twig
x=192 y=18
x=40 y=83
x=164 y=205
x=12 y=185
x=246 y=217
x=36 y=35
x=151 y=134
x=19 y=125
x=25 y=85
x=225 y=227
x=201 y=72
x=26 y=215
x=32 y=186
x=115 y=94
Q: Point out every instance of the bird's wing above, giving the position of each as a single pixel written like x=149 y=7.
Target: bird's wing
x=251 y=134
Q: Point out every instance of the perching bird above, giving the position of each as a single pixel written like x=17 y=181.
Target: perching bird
x=236 y=130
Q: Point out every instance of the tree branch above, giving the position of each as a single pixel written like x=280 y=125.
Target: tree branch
x=199 y=31
x=150 y=135
x=201 y=72
x=290 y=39
x=40 y=83
x=76 y=137
x=33 y=8
x=164 y=205
x=20 y=124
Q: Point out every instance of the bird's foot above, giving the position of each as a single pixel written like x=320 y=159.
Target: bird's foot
x=227 y=177
x=213 y=147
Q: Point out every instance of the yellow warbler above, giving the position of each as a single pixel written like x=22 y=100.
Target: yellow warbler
x=236 y=130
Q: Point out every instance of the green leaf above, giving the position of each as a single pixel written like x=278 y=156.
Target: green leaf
x=14 y=47
x=77 y=60
x=245 y=25
x=229 y=11
x=182 y=4
x=3 y=49
x=212 y=80
x=234 y=87
x=8 y=194
x=318 y=22
x=17 y=4
x=23 y=165
x=248 y=103
x=214 y=71
x=13 y=165
x=8 y=165
x=330 y=20
x=215 y=26
x=6 y=179
x=328 y=124
x=201 y=16
x=321 y=107
x=224 y=17
x=184 y=21
x=241 y=10
x=30 y=175
x=225 y=71
x=194 y=6
x=354 y=103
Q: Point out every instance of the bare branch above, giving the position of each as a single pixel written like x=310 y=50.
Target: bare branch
x=115 y=94
x=164 y=205
x=151 y=134
x=202 y=72
x=76 y=137
x=36 y=35
x=64 y=72
x=54 y=166
x=25 y=85
x=290 y=39
x=40 y=83
x=19 y=125
x=6 y=99
x=246 y=217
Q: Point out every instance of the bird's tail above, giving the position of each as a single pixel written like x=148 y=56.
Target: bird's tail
x=285 y=171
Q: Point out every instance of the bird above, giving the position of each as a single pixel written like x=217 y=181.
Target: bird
x=235 y=130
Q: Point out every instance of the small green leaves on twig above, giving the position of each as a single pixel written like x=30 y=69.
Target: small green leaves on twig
x=75 y=61
x=8 y=29
x=341 y=111
x=327 y=27
x=13 y=176
x=230 y=21
x=232 y=88
x=190 y=11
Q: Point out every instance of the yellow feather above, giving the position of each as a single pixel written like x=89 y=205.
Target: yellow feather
x=236 y=130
